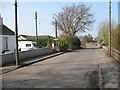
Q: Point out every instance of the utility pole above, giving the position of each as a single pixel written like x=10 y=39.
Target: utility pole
x=36 y=28
x=16 y=34
x=110 y=27
x=56 y=28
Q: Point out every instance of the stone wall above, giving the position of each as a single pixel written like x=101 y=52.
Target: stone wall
x=25 y=55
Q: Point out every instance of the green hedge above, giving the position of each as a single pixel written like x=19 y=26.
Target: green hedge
x=69 y=42
x=116 y=37
x=64 y=43
x=44 y=42
x=75 y=42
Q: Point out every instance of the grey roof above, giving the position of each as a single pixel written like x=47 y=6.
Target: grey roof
x=29 y=37
x=7 y=31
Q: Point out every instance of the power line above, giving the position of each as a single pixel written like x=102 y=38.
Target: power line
x=26 y=25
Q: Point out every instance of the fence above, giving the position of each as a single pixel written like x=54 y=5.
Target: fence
x=10 y=58
x=114 y=52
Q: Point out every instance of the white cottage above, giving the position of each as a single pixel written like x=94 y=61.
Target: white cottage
x=7 y=38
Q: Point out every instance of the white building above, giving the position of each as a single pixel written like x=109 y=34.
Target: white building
x=7 y=38
x=1 y=20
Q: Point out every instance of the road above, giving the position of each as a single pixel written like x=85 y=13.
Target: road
x=84 y=68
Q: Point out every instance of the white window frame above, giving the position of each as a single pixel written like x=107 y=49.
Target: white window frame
x=5 y=43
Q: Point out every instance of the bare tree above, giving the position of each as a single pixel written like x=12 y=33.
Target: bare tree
x=103 y=31
x=74 y=19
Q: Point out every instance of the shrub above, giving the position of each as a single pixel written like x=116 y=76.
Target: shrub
x=44 y=42
x=116 y=37
x=69 y=42
x=76 y=43
x=49 y=42
x=64 y=43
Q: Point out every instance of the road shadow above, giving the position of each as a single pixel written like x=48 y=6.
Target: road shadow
x=110 y=75
x=67 y=62
x=92 y=48
x=92 y=80
x=85 y=49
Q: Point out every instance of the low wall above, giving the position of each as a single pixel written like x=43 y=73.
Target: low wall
x=114 y=52
x=10 y=58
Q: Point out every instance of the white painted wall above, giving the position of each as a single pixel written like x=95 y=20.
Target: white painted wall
x=11 y=42
x=0 y=50
x=11 y=45
x=21 y=38
x=11 y=39
x=1 y=23
x=0 y=44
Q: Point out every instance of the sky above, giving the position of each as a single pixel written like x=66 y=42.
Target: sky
x=46 y=11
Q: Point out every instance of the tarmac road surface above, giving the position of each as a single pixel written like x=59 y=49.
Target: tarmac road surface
x=84 y=68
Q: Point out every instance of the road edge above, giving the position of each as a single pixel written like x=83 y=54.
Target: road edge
x=27 y=63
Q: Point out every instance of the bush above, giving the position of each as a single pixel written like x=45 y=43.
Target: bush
x=69 y=42
x=75 y=42
x=49 y=42
x=116 y=37
x=64 y=43
x=45 y=42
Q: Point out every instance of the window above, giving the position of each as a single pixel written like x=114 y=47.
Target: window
x=28 y=45
x=5 y=43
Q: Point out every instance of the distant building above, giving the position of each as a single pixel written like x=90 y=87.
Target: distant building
x=31 y=38
x=7 y=38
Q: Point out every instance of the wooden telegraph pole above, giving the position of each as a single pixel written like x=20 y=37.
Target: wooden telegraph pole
x=16 y=34
x=56 y=28
x=36 y=28
x=110 y=27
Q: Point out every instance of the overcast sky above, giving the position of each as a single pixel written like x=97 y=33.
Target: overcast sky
x=46 y=10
